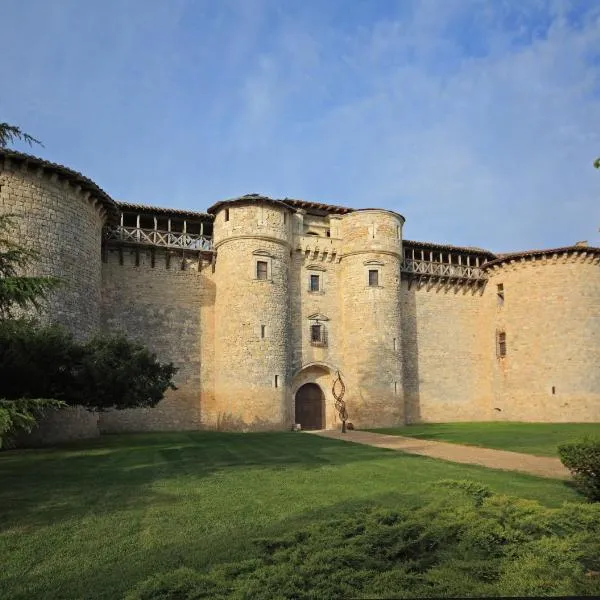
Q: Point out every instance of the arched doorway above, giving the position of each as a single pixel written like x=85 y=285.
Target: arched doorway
x=310 y=406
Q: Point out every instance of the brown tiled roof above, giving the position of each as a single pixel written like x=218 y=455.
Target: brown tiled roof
x=69 y=174
x=159 y=210
x=448 y=247
x=290 y=202
x=502 y=258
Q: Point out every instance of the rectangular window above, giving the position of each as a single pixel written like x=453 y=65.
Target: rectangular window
x=314 y=283
x=227 y=214
x=276 y=380
x=500 y=294
x=373 y=277
x=261 y=269
x=284 y=218
x=262 y=331
x=315 y=333
x=395 y=345
x=501 y=344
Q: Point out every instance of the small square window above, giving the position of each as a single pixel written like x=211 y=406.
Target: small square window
x=314 y=283
x=373 y=277
x=261 y=269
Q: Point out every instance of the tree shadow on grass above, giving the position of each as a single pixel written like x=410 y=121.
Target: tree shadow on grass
x=67 y=483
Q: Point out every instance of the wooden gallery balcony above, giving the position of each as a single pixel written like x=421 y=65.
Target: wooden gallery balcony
x=161 y=228
x=451 y=265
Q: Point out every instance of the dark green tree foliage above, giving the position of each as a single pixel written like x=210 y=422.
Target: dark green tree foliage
x=117 y=373
x=17 y=290
x=583 y=460
x=105 y=372
x=468 y=542
x=22 y=415
x=11 y=133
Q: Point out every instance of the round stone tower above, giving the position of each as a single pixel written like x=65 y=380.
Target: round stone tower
x=372 y=359
x=252 y=315
x=544 y=316
x=59 y=213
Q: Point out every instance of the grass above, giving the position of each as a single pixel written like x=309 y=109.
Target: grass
x=541 y=439
x=94 y=519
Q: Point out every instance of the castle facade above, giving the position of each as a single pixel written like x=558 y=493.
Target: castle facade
x=260 y=303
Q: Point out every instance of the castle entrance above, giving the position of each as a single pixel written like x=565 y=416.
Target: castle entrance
x=310 y=406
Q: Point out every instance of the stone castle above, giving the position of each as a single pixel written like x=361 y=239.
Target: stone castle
x=261 y=302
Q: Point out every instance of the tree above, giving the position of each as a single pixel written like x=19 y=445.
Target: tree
x=17 y=290
x=105 y=372
x=597 y=163
x=10 y=133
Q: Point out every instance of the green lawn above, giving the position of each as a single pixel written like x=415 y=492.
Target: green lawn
x=94 y=519
x=531 y=438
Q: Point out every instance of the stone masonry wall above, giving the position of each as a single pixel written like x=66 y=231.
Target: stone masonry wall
x=55 y=219
x=443 y=358
x=252 y=372
x=551 y=317
x=169 y=310
x=372 y=345
x=313 y=256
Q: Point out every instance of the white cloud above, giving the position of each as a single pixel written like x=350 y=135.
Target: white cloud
x=476 y=120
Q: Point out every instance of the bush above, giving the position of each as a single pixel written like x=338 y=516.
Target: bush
x=583 y=460
x=466 y=542
x=21 y=415
x=106 y=372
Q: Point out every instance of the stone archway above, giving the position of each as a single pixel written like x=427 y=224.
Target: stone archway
x=310 y=407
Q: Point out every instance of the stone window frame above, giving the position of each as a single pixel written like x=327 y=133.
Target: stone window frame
x=501 y=346
x=262 y=256
x=318 y=320
x=373 y=265
x=315 y=270
x=500 y=295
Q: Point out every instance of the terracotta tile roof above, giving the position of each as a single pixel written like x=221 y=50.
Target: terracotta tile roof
x=73 y=176
x=502 y=258
x=159 y=210
x=448 y=247
x=290 y=202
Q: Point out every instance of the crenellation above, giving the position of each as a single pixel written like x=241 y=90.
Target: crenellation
x=412 y=327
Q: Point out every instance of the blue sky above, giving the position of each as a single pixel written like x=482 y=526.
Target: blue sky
x=478 y=121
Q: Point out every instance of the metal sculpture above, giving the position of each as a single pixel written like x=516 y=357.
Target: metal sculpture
x=338 y=389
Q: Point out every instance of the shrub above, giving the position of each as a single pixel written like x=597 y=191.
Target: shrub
x=583 y=460
x=468 y=542
x=21 y=415
x=106 y=372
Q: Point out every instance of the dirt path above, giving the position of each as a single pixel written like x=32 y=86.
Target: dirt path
x=486 y=457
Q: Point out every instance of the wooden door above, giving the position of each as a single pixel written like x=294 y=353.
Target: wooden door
x=310 y=406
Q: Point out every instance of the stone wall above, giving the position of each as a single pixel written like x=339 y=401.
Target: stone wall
x=443 y=356
x=252 y=337
x=551 y=318
x=59 y=426
x=56 y=219
x=372 y=344
x=170 y=311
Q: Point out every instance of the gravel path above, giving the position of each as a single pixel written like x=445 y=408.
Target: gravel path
x=541 y=466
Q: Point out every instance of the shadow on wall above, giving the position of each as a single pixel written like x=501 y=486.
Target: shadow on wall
x=229 y=422
x=410 y=355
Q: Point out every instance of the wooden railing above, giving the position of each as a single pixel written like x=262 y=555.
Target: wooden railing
x=156 y=237
x=442 y=270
